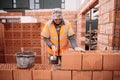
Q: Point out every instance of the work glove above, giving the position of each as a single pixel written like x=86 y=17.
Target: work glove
x=54 y=48
x=79 y=49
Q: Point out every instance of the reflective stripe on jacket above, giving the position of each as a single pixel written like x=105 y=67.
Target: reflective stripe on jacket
x=50 y=32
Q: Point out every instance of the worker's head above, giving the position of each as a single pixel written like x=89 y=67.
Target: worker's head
x=57 y=15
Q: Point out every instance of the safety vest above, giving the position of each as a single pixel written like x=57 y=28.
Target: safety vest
x=50 y=32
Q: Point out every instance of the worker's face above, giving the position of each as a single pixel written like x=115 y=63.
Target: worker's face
x=57 y=21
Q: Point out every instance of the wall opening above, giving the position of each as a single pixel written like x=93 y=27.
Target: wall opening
x=91 y=29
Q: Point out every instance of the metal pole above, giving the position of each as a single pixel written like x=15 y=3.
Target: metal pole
x=90 y=29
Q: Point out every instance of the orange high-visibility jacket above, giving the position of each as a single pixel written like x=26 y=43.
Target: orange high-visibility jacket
x=50 y=32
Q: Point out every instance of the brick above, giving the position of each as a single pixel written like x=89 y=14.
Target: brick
x=8 y=27
x=38 y=59
x=17 y=26
x=26 y=43
x=6 y=75
x=41 y=75
x=8 y=35
x=102 y=29
x=102 y=75
x=106 y=18
x=71 y=60
x=26 y=35
x=16 y=35
x=10 y=58
x=26 y=26
x=81 y=75
x=110 y=28
x=36 y=43
x=92 y=61
x=36 y=35
x=111 y=62
x=22 y=75
x=116 y=75
x=17 y=43
x=37 y=50
x=112 y=16
x=61 y=75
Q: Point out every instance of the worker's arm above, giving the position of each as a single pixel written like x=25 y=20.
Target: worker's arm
x=48 y=42
x=74 y=44
x=73 y=41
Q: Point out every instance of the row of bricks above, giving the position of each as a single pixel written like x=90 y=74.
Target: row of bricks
x=58 y=75
x=22 y=26
x=24 y=43
x=13 y=66
x=97 y=60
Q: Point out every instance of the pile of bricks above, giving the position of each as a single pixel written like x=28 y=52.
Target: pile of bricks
x=93 y=65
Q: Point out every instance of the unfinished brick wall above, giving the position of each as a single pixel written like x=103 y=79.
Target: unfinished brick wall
x=17 y=35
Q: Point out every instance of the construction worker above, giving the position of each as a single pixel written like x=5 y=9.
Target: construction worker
x=56 y=33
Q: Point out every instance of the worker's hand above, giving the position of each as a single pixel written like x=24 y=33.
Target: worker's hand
x=54 y=48
x=79 y=49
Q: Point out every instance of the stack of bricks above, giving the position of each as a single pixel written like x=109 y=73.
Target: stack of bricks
x=17 y=35
x=106 y=23
x=93 y=65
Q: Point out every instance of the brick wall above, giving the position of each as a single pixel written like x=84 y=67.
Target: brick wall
x=75 y=66
x=106 y=24
x=2 y=57
x=17 y=35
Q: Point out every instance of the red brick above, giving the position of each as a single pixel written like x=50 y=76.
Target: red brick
x=71 y=60
x=10 y=58
x=112 y=16
x=92 y=61
x=22 y=75
x=102 y=75
x=41 y=75
x=110 y=28
x=116 y=75
x=111 y=62
x=61 y=75
x=38 y=59
x=6 y=75
x=81 y=75
x=102 y=29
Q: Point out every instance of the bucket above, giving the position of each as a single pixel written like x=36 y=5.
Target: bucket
x=25 y=59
